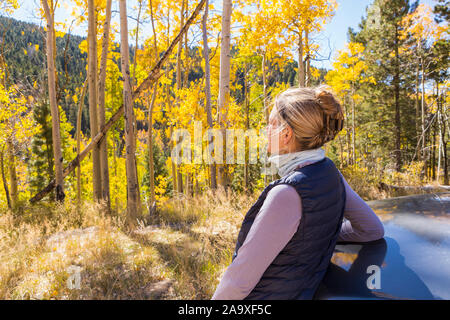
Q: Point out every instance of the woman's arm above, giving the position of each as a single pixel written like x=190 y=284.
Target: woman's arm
x=361 y=224
x=274 y=225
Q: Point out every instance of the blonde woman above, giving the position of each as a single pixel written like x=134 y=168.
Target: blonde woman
x=288 y=236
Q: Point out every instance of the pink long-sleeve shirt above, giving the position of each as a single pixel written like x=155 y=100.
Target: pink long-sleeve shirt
x=275 y=224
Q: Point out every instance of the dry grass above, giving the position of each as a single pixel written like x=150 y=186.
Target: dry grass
x=369 y=183
x=196 y=237
x=179 y=253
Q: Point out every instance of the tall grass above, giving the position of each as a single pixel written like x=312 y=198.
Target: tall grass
x=186 y=246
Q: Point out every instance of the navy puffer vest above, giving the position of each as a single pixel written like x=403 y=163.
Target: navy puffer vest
x=298 y=269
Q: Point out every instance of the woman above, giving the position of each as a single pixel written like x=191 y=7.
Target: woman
x=288 y=236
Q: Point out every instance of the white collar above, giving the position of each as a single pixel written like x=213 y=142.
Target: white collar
x=286 y=163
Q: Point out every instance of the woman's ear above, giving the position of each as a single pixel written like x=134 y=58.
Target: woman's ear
x=287 y=134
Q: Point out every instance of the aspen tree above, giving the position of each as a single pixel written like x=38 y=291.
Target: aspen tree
x=212 y=166
x=56 y=135
x=130 y=147
x=101 y=108
x=92 y=86
x=224 y=81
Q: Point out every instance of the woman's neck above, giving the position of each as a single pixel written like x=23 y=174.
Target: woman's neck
x=287 y=162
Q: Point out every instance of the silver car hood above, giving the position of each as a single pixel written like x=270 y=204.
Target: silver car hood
x=411 y=262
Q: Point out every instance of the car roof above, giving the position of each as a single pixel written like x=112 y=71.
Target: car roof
x=412 y=261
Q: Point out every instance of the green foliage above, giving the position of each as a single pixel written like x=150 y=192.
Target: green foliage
x=160 y=171
x=440 y=63
x=380 y=35
x=40 y=164
x=254 y=173
x=442 y=10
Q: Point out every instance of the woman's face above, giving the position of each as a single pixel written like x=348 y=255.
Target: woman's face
x=278 y=137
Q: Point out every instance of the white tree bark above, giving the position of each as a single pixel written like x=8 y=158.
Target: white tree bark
x=93 y=112
x=101 y=108
x=212 y=166
x=56 y=135
x=224 y=80
x=301 y=65
x=78 y=134
x=133 y=198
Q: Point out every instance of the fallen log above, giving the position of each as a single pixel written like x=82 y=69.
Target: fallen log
x=153 y=75
x=388 y=187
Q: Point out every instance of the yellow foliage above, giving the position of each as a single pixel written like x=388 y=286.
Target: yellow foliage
x=348 y=72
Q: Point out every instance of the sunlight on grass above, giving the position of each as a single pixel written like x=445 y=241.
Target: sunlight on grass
x=179 y=253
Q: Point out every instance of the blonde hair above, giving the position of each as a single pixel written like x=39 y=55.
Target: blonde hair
x=314 y=114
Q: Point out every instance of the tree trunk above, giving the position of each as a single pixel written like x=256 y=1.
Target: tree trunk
x=301 y=65
x=353 y=128
x=348 y=138
x=133 y=82
x=212 y=166
x=224 y=82
x=442 y=129
x=169 y=107
x=397 y=122
x=57 y=88
x=189 y=177
x=265 y=106
x=130 y=147
x=418 y=131
x=151 y=203
x=179 y=86
x=424 y=152
x=78 y=135
x=173 y=165
x=5 y=183
x=101 y=109
x=180 y=48
x=152 y=200
x=308 y=60
x=12 y=173
x=115 y=147
x=187 y=182
x=436 y=175
x=56 y=135
x=247 y=126
x=186 y=48
x=93 y=112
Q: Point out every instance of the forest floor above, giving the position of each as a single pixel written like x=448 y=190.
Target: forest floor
x=52 y=251
x=60 y=252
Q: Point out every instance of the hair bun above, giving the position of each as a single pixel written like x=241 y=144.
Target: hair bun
x=333 y=116
x=328 y=102
x=314 y=114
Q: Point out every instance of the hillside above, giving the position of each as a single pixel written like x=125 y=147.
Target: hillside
x=24 y=52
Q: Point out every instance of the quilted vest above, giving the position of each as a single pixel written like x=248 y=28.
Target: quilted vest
x=298 y=269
